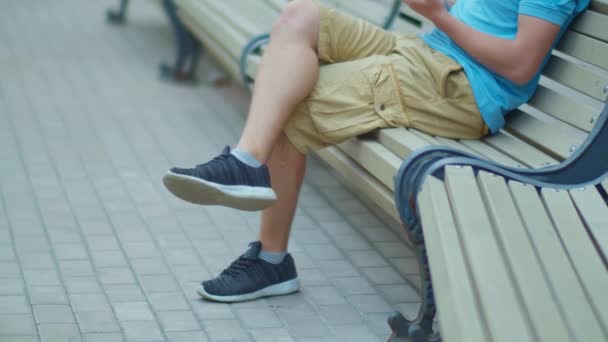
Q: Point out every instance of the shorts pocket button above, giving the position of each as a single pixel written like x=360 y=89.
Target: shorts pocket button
x=382 y=107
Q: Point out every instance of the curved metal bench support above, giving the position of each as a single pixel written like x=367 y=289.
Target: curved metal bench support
x=118 y=16
x=588 y=166
x=253 y=46
x=395 y=11
x=188 y=49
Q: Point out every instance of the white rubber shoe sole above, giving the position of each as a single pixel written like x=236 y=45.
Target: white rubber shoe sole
x=198 y=191
x=280 y=289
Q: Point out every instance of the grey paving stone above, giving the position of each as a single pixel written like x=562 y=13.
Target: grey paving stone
x=312 y=277
x=315 y=236
x=36 y=261
x=383 y=275
x=109 y=258
x=353 y=285
x=17 y=324
x=70 y=251
x=115 y=275
x=96 y=321
x=53 y=314
x=11 y=286
x=142 y=331
x=212 y=311
x=324 y=295
x=31 y=338
x=355 y=333
x=76 y=268
x=6 y=252
x=102 y=243
x=177 y=257
x=369 y=303
x=59 y=332
x=135 y=311
x=187 y=336
x=178 y=321
x=320 y=252
x=104 y=337
x=10 y=269
x=149 y=266
x=338 y=268
x=89 y=302
x=141 y=250
x=304 y=325
x=399 y=293
x=257 y=318
x=338 y=228
x=190 y=273
x=47 y=295
x=394 y=249
x=158 y=283
x=226 y=329
x=272 y=334
x=41 y=277
x=81 y=285
x=340 y=314
x=13 y=305
x=369 y=258
x=168 y=301
x=124 y=293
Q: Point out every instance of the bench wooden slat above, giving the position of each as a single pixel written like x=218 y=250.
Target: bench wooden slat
x=605 y=185
x=564 y=108
x=215 y=49
x=594 y=211
x=519 y=150
x=585 y=259
x=375 y=158
x=568 y=290
x=587 y=49
x=527 y=272
x=578 y=77
x=438 y=141
x=492 y=153
x=452 y=287
x=205 y=21
x=258 y=18
x=491 y=277
x=359 y=179
x=592 y=24
x=558 y=140
x=400 y=141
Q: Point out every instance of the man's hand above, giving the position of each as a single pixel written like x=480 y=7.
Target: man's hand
x=431 y=9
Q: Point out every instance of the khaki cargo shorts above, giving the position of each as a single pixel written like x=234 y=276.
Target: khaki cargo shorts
x=371 y=79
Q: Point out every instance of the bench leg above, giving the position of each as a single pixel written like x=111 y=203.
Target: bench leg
x=118 y=16
x=188 y=49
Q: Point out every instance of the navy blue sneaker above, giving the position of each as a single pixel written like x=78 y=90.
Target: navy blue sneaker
x=250 y=277
x=225 y=180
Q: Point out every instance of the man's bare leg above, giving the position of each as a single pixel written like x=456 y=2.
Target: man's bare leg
x=287 y=167
x=288 y=72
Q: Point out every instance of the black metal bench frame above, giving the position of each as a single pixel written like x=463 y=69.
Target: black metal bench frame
x=188 y=48
x=587 y=167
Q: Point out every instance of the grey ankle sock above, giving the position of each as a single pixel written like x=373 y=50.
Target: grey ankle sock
x=272 y=257
x=245 y=157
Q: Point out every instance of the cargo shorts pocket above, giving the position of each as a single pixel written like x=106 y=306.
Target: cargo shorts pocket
x=362 y=101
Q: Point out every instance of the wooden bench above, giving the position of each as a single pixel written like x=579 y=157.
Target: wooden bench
x=549 y=129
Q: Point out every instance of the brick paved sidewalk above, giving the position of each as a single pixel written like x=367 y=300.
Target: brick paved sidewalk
x=93 y=248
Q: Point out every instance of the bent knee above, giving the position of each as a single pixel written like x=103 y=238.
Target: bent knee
x=299 y=19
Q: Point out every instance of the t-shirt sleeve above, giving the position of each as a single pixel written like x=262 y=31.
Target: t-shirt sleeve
x=557 y=12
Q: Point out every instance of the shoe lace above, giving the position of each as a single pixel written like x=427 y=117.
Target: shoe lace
x=238 y=266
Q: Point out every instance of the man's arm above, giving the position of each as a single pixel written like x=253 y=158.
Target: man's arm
x=517 y=60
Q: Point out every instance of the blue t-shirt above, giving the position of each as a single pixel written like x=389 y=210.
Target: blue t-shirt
x=494 y=94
